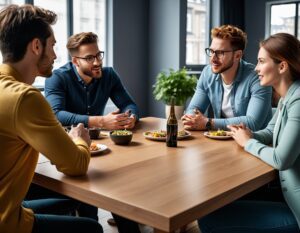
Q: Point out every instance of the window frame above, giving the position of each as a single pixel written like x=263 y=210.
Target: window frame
x=209 y=17
x=268 y=15
x=70 y=28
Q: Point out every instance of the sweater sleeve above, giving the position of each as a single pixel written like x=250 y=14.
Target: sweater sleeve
x=39 y=127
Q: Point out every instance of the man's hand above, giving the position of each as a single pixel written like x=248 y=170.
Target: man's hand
x=131 y=122
x=116 y=120
x=80 y=131
x=195 y=121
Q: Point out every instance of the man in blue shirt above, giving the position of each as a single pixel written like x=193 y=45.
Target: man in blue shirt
x=78 y=93
x=230 y=85
x=79 y=90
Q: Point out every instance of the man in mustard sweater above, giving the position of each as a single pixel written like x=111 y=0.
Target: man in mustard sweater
x=28 y=126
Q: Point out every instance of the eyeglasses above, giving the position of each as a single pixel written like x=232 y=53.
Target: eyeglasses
x=91 y=58
x=219 y=53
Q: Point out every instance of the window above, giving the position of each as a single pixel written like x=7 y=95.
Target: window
x=59 y=28
x=88 y=15
x=4 y=3
x=283 y=17
x=197 y=31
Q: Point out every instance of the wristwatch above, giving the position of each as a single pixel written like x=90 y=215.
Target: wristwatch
x=208 y=124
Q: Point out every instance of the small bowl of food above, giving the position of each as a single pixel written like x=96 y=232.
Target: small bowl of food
x=94 y=133
x=121 y=137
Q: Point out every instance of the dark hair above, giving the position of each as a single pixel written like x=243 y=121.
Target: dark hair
x=237 y=38
x=284 y=47
x=75 y=41
x=19 y=26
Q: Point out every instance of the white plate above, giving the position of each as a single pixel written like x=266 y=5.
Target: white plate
x=206 y=134
x=148 y=135
x=101 y=147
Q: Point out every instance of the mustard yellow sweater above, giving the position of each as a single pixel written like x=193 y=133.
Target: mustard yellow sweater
x=27 y=127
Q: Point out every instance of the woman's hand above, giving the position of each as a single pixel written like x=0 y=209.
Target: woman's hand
x=240 y=133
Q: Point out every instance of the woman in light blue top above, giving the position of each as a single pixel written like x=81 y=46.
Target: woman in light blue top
x=278 y=66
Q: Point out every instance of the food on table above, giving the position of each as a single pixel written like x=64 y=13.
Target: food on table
x=121 y=132
x=163 y=133
x=181 y=133
x=157 y=133
x=93 y=147
x=218 y=133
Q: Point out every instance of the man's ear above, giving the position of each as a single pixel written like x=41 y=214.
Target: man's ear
x=238 y=54
x=75 y=61
x=36 y=46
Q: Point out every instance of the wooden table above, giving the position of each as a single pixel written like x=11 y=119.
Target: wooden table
x=160 y=186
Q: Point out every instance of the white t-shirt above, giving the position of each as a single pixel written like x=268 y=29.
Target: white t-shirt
x=226 y=105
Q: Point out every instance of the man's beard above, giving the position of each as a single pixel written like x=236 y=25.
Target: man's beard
x=97 y=74
x=223 y=69
x=44 y=65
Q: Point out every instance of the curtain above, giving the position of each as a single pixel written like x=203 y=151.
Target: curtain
x=233 y=12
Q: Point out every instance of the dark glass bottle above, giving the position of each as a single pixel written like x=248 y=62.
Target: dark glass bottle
x=172 y=128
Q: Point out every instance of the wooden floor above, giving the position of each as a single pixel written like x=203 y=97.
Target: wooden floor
x=104 y=215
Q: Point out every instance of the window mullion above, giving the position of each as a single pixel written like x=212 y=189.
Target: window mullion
x=70 y=19
x=296 y=19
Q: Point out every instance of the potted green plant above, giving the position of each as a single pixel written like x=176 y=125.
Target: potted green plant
x=177 y=84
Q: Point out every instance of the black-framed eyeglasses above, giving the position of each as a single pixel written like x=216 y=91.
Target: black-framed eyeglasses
x=91 y=58
x=218 y=53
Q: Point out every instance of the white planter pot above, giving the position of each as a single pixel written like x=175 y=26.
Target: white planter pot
x=178 y=111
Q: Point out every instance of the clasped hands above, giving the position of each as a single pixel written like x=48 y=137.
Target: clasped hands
x=196 y=121
x=240 y=133
x=117 y=120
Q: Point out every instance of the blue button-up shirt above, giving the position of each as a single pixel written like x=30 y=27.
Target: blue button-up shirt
x=250 y=102
x=73 y=101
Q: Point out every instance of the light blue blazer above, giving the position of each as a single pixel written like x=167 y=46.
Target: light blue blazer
x=283 y=132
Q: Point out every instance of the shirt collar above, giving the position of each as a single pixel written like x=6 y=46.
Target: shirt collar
x=79 y=79
x=77 y=74
x=10 y=71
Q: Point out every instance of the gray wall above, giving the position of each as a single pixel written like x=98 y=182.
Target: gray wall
x=255 y=20
x=147 y=35
x=146 y=40
x=130 y=47
x=164 y=44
